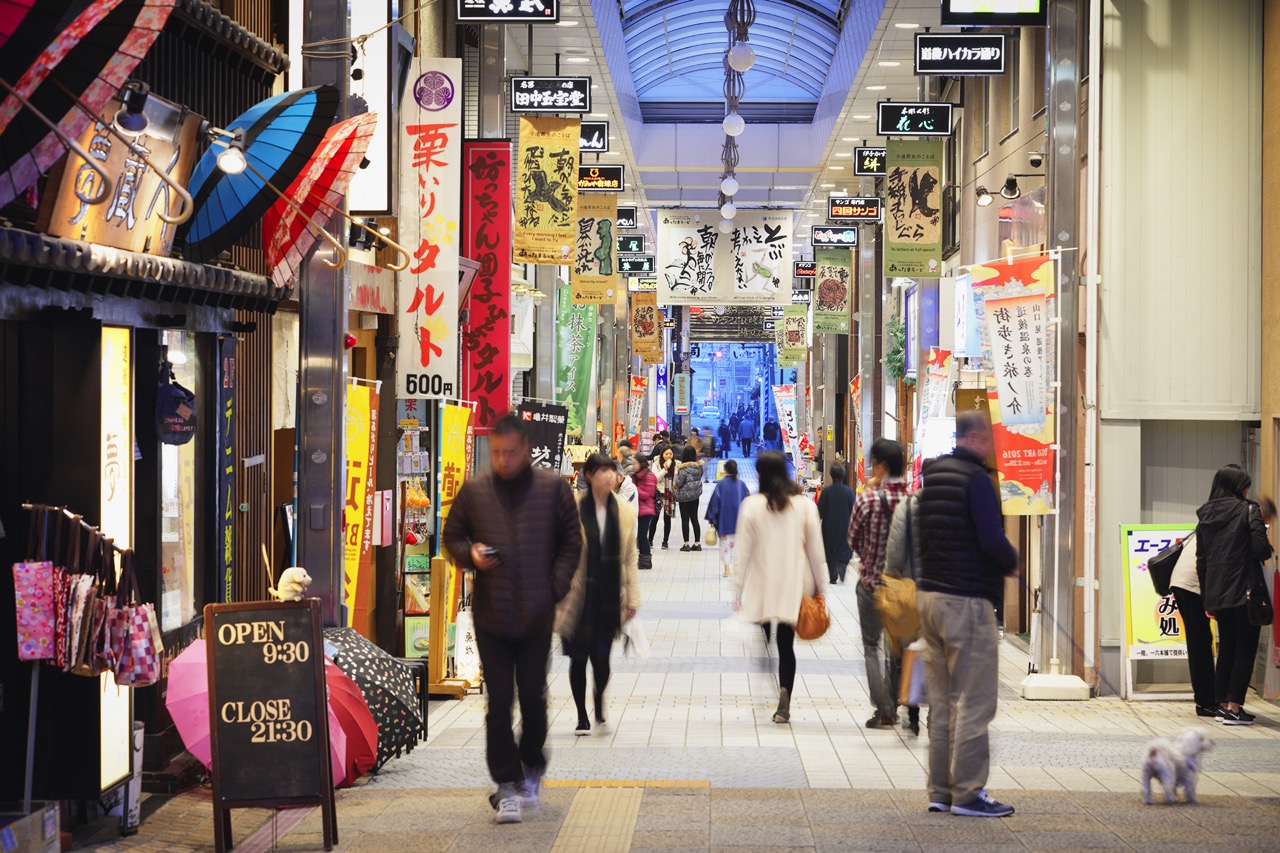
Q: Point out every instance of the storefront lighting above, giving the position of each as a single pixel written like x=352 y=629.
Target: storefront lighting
x=1011 y=190
x=130 y=119
x=984 y=197
x=231 y=158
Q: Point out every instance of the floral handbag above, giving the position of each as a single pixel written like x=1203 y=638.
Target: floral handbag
x=34 y=587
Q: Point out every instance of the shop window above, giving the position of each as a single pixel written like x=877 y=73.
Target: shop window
x=183 y=475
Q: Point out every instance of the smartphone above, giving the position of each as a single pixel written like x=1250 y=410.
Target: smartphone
x=489 y=551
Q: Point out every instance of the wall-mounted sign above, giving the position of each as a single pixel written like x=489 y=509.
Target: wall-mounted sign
x=984 y=13
x=550 y=94
x=630 y=244
x=777 y=310
x=642 y=285
x=770 y=324
x=899 y=118
x=626 y=217
x=524 y=11
x=636 y=265
x=803 y=269
x=853 y=209
x=595 y=137
x=959 y=54
x=823 y=235
x=800 y=297
x=868 y=162
x=601 y=179
x=668 y=323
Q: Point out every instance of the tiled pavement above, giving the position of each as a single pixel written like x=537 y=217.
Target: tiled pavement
x=691 y=761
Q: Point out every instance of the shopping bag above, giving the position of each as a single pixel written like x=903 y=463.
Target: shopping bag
x=138 y=630
x=911 y=690
x=35 y=597
x=710 y=537
x=634 y=642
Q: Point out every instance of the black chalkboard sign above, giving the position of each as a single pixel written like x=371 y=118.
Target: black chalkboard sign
x=270 y=723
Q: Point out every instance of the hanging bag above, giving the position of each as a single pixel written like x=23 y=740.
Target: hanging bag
x=139 y=661
x=34 y=594
x=175 y=409
x=813 y=620
x=1160 y=567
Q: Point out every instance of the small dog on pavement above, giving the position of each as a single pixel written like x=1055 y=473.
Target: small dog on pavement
x=1175 y=761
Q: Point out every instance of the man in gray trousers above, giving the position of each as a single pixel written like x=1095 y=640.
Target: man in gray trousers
x=964 y=559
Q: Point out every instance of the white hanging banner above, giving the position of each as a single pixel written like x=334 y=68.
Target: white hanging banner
x=751 y=265
x=761 y=250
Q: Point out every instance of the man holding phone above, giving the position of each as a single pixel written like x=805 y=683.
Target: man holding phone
x=518 y=527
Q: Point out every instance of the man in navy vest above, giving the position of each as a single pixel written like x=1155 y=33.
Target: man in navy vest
x=965 y=557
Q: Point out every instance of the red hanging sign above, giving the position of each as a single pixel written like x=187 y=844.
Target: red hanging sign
x=486 y=335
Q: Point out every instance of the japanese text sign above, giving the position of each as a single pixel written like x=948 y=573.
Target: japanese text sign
x=681 y=389
x=509 y=11
x=626 y=217
x=430 y=204
x=486 y=337
x=913 y=214
x=594 y=137
x=546 y=190
x=646 y=325
x=896 y=118
x=593 y=276
x=545 y=423
x=853 y=209
x=868 y=162
x=630 y=244
x=700 y=266
x=803 y=269
x=551 y=95
x=960 y=54
x=454 y=423
x=601 y=179
x=1153 y=627
x=360 y=433
x=795 y=333
x=832 y=288
x=575 y=358
x=826 y=235
x=637 y=265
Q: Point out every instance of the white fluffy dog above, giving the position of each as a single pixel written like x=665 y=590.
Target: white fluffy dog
x=1175 y=762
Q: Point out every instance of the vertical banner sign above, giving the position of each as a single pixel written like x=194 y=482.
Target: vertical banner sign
x=576 y=356
x=486 y=337
x=689 y=265
x=115 y=499
x=935 y=433
x=913 y=209
x=593 y=277
x=855 y=405
x=360 y=435
x=761 y=249
x=831 y=285
x=682 y=393
x=226 y=467
x=430 y=203
x=784 y=397
x=646 y=326
x=795 y=333
x=545 y=423
x=1014 y=302
x=635 y=406
x=547 y=190
x=1152 y=624
x=454 y=421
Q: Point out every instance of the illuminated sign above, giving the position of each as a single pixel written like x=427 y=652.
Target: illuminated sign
x=626 y=217
x=959 y=54
x=985 y=13
x=550 y=94
x=512 y=11
x=868 y=162
x=827 y=236
x=630 y=244
x=636 y=265
x=804 y=269
x=853 y=209
x=601 y=179
x=895 y=118
x=594 y=137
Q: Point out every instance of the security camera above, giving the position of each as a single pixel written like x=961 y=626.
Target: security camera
x=1036 y=159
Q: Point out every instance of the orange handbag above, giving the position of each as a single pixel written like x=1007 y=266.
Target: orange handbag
x=813 y=620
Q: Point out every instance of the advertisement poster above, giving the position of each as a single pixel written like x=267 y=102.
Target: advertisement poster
x=832 y=283
x=935 y=433
x=1152 y=624
x=635 y=406
x=454 y=421
x=761 y=251
x=115 y=499
x=784 y=397
x=360 y=433
x=1013 y=302
x=430 y=203
x=486 y=337
x=547 y=190
x=593 y=277
x=681 y=389
x=913 y=209
x=575 y=357
x=795 y=333
x=545 y=423
x=646 y=327
x=689 y=263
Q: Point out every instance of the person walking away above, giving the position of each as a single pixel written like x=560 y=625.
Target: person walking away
x=695 y=441
x=722 y=512
x=646 y=485
x=902 y=560
x=964 y=558
x=605 y=591
x=725 y=434
x=688 y=490
x=626 y=457
x=1232 y=544
x=746 y=432
x=779 y=550
x=868 y=536
x=664 y=469
x=625 y=489
x=835 y=509
x=519 y=528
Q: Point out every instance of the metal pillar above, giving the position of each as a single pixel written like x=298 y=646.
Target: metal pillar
x=868 y=334
x=1058 y=598
x=544 y=337
x=323 y=305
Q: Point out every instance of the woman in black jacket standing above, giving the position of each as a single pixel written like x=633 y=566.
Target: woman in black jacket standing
x=1231 y=542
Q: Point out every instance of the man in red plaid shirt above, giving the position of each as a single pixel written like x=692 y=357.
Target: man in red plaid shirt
x=868 y=536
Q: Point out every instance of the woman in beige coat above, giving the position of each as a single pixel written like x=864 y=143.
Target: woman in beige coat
x=606 y=589
x=780 y=555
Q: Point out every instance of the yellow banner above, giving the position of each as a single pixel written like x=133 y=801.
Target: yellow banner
x=358 y=435
x=1153 y=628
x=646 y=325
x=593 y=278
x=453 y=455
x=547 y=190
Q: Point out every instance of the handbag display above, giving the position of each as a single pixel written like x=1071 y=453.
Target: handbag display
x=813 y=619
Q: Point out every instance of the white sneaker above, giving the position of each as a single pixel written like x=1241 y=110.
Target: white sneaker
x=508 y=811
x=531 y=790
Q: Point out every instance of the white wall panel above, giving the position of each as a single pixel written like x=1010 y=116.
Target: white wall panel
x=1181 y=250
x=1179 y=459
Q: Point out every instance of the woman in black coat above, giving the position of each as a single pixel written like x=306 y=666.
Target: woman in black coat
x=1231 y=542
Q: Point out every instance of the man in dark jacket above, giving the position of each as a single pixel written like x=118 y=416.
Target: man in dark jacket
x=965 y=557
x=835 y=508
x=518 y=528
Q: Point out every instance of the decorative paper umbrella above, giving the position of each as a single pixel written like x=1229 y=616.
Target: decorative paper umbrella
x=240 y=177
x=347 y=703
x=387 y=685
x=286 y=238
x=188 y=704
x=29 y=24
x=91 y=58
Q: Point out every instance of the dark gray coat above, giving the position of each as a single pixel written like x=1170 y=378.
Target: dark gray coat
x=1231 y=541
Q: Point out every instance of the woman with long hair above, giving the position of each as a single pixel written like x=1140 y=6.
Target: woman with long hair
x=688 y=488
x=780 y=555
x=1231 y=543
x=664 y=470
x=646 y=490
x=606 y=589
x=722 y=512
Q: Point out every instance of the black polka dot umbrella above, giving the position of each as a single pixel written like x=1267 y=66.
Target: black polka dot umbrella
x=387 y=686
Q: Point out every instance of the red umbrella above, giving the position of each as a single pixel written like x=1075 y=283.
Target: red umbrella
x=91 y=58
x=348 y=704
x=38 y=22
x=320 y=188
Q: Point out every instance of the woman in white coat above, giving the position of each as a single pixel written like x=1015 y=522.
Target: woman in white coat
x=780 y=555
